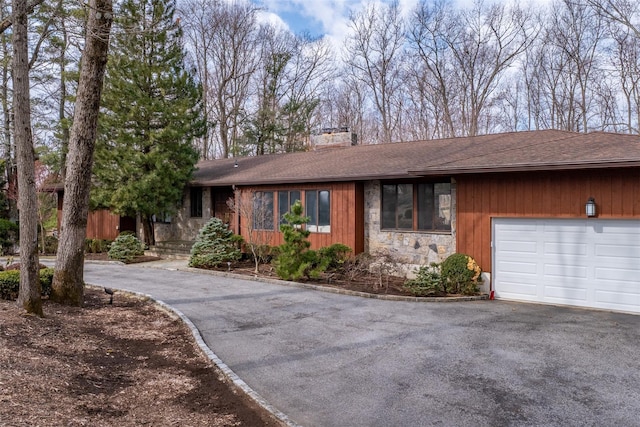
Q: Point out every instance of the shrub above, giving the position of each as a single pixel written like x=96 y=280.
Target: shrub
x=46 y=279
x=214 y=245
x=125 y=248
x=98 y=246
x=428 y=281
x=50 y=245
x=334 y=257
x=8 y=235
x=295 y=260
x=10 y=283
x=358 y=267
x=461 y=275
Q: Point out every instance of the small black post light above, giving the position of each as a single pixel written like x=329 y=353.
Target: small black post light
x=590 y=207
x=235 y=164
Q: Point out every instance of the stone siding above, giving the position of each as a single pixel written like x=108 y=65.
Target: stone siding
x=409 y=249
x=183 y=226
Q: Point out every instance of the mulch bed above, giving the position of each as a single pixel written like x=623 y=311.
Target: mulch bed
x=369 y=283
x=126 y=364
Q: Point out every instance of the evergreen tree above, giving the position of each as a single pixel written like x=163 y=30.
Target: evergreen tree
x=151 y=116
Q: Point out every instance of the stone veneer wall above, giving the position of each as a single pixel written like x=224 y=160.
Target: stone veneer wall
x=183 y=226
x=409 y=249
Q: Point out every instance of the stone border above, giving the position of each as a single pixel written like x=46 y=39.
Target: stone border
x=226 y=370
x=333 y=290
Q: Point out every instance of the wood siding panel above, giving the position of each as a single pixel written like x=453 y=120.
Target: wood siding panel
x=102 y=224
x=542 y=195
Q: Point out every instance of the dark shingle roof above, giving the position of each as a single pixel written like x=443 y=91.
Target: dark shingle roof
x=517 y=151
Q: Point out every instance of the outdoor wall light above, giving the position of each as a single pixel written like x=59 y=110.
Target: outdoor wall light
x=590 y=207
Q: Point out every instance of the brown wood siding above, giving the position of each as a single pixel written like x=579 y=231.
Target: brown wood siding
x=102 y=224
x=538 y=195
x=347 y=214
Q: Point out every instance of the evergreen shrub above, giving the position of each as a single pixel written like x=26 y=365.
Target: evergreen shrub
x=215 y=244
x=334 y=257
x=461 y=275
x=295 y=260
x=428 y=281
x=125 y=248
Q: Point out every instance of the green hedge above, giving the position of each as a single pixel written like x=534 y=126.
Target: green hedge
x=10 y=283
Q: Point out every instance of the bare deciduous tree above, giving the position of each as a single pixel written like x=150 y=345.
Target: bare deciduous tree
x=252 y=214
x=465 y=54
x=374 y=56
x=224 y=43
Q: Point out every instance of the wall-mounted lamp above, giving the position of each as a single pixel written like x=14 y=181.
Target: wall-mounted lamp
x=590 y=207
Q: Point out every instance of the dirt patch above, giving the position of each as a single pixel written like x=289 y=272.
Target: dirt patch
x=126 y=364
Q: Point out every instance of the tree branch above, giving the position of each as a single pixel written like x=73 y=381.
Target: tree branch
x=6 y=23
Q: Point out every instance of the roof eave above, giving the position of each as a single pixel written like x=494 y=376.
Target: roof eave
x=526 y=168
x=298 y=180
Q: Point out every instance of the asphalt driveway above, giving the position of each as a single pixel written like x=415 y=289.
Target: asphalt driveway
x=333 y=360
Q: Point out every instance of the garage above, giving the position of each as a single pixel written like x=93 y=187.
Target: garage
x=579 y=262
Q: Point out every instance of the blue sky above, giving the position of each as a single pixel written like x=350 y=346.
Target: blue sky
x=324 y=17
x=318 y=17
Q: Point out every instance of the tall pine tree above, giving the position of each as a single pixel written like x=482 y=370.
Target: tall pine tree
x=151 y=116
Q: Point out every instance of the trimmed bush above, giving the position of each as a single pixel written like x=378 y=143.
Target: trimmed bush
x=215 y=244
x=461 y=275
x=10 y=283
x=428 y=281
x=125 y=248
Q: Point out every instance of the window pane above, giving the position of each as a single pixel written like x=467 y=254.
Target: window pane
x=294 y=196
x=442 y=200
x=263 y=210
x=196 y=202
x=283 y=204
x=425 y=207
x=323 y=208
x=311 y=207
x=388 y=206
x=404 y=210
x=268 y=206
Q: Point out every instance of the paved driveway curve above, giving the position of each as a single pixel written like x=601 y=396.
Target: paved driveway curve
x=333 y=360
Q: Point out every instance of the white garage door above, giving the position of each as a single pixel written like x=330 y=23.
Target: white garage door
x=584 y=262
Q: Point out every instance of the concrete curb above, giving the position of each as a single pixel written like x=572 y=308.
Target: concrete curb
x=332 y=290
x=226 y=370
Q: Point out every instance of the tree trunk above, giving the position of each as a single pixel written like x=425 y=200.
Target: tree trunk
x=148 y=230
x=68 y=280
x=29 y=295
